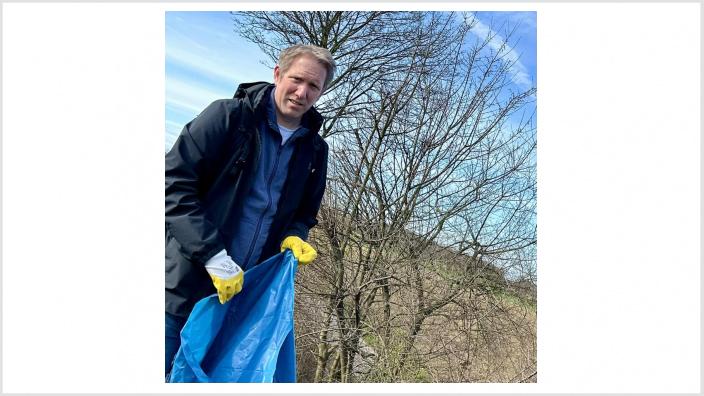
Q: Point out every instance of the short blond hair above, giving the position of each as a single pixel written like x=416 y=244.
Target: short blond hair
x=322 y=55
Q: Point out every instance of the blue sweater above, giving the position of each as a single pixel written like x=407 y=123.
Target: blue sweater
x=260 y=204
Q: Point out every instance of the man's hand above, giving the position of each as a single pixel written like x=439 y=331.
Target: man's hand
x=227 y=276
x=302 y=251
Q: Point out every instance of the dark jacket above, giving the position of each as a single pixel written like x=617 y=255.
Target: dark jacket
x=209 y=170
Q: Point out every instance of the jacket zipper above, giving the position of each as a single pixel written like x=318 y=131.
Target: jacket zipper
x=268 y=206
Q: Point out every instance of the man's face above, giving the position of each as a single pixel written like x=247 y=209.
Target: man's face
x=297 y=89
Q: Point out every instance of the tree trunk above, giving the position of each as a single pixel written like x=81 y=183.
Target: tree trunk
x=387 y=311
x=323 y=351
x=415 y=329
x=335 y=369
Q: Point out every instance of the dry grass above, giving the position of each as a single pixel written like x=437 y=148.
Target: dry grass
x=487 y=334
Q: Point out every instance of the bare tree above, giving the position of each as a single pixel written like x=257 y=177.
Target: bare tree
x=431 y=191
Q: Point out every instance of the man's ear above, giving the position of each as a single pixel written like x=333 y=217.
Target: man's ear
x=277 y=72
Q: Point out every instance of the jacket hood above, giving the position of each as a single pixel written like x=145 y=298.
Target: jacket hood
x=254 y=94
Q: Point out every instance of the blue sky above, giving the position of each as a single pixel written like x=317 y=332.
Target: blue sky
x=523 y=39
x=206 y=59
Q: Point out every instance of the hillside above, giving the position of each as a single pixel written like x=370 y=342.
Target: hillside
x=484 y=332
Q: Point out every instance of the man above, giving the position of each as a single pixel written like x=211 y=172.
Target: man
x=244 y=181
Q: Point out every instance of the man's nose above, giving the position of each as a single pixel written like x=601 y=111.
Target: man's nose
x=301 y=91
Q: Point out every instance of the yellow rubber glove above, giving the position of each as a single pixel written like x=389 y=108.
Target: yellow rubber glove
x=227 y=288
x=302 y=251
x=227 y=276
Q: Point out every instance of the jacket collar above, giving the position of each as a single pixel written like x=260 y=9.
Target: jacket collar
x=255 y=95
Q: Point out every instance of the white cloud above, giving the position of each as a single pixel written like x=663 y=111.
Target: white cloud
x=203 y=64
x=519 y=73
x=191 y=98
x=225 y=59
x=524 y=20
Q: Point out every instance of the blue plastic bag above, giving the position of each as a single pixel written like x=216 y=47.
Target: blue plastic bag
x=247 y=339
